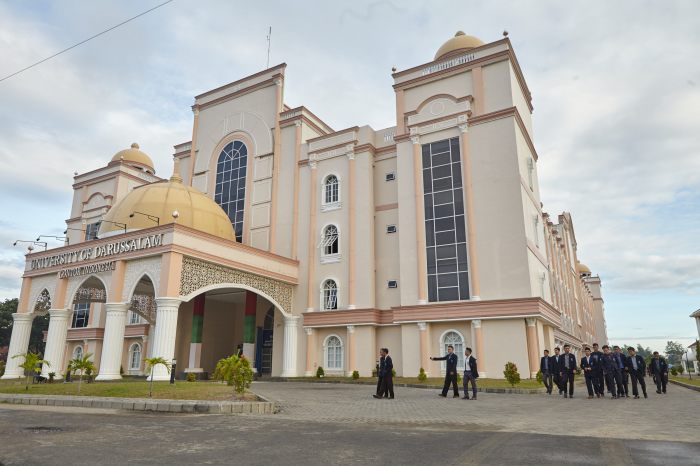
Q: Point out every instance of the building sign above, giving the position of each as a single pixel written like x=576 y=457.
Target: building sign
x=466 y=58
x=104 y=250
x=87 y=269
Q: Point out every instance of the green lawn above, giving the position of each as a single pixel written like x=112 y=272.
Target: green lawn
x=431 y=382
x=684 y=378
x=130 y=389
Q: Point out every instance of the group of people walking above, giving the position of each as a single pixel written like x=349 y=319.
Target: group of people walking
x=609 y=368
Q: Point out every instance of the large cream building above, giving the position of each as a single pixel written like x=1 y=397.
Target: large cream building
x=309 y=246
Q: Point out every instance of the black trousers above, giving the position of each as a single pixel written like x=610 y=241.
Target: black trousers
x=621 y=379
x=547 y=380
x=379 y=385
x=465 y=380
x=661 y=381
x=558 y=381
x=450 y=379
x=636 y=377
x=590 y=380
x=599 y=382
x=610 y=382
x=568 y=381
x=387 y=387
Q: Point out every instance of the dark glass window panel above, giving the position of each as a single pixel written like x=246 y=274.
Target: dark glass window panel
x=442 y=184
x=427 y=182
x=448 y=294
x=239 y=216
x=457 y=175
x=426 y=156
x=430 y=233
x=432 y=288
x=230 y=187
x=445 y=237
x=459 y=202
x=443 y=197
x=445 y=252
x=447 y=266
x=428 y=206
x=440 y=146
x=441 y=159
x=432 y=268
x=443 y=171
x=445 y=210
x=461 y=229
x=219 y=176
x=444 y=224
x=462 y=257
x=447 y=279
x=454 y=148
x=431 y=255
x=464 y=285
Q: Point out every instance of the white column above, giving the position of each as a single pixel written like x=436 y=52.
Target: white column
x=56 y=341
x=113 y=342
x=19 y=343
x=164 y=335
x=289 y=358
x=697 y=323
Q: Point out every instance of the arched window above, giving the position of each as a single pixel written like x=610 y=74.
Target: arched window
x=334 y=353
x=135 y=357
x=452 y=337
x=331 y=191
x=230 y=183
x=330 y=295
x=78 y=352
x=330 y=242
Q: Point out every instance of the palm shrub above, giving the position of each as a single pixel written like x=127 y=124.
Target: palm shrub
x=191 y=377
x=52 y=375
x=422 y=376
x=355 y=375
x=151 y=363
x=539 y=378
x=84 y=365
x=319 y=372
x=31 y=361
x=511 y=374
x=236 y=372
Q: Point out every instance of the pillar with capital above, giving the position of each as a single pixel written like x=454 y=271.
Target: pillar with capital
x=421 y=254
x=56 y=341
x=113 y=342
x=424 y=348
x=194 y=363
x=479 y=344
x=351 y=350
x=289 y=356
x=19 y=343
x=164 y=335
x=310 y=351
x=470 y=217
x=532 y=350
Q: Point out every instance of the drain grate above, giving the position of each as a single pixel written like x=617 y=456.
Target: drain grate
x=42 y=429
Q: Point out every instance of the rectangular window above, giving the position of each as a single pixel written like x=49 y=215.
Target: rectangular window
x=445 y=230
x=391 y=176
x=393 y=284
x=91 y=230
x=81 y=315
x=391 y=229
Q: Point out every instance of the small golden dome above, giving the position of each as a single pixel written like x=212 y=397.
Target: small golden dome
x=134 y=155
x=194 y=209
x=460 y=41
x=582 y=268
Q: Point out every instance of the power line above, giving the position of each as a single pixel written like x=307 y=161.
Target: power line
x=83 y=41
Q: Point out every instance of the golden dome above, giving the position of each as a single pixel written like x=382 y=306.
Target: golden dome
x=582 y=268
x=134 y=155
x=460 y=41
x=161 y=199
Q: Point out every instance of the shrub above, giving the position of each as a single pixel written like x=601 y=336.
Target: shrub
x=511 y=374
x=2 y=368
x=539 y=377
x=191 y=377
x=355 y=375
x=319 y=372
x=674 y=371
x=422 y=377
x=393 y=372
x=375 y=373
x=236 y=372
x=121 y=370
x=52 y=375
x=680 y=369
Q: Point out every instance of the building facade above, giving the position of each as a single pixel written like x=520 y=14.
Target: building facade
x=311 y=247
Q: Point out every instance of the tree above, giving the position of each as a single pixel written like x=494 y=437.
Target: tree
x=236 y=371
x=674 y=351
x=39 y=325
x=644 y=352
x=151 y=363
x=511 y=374
x=84 y=365
x=31 y=365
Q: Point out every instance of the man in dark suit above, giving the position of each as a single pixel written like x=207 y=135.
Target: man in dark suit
x=546 y=370
x=636 y=368
x=470 y=373
x=380 y=367
x=608 y=364
x=567 y=368
x=621 y=376
x=599 y=379
x=451 y=360
x=659 y=368
x=386 y=366
x=587 y=366
x=556 y=369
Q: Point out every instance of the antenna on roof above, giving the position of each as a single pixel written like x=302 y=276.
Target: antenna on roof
x=269 y=35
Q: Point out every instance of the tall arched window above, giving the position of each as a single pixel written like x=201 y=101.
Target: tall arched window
x=330 y=243
x=78 y=352
x=331 y=191
x=135 y=357
x=230 y=183
x=453 y=338
x=334 y=353
x=330 y=295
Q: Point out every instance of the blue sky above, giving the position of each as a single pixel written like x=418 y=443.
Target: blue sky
x=616 y=91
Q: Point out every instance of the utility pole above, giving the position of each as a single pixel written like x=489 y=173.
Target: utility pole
x=269 y=35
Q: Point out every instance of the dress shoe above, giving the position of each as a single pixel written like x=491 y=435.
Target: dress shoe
x=455 y=396
x=636 y=397
x=465 y=397
x=391 y=397
x=565 y=395
x=658 y=392
x=441 y=395
x=474 y=397
x=646 y=396
x=377 y=397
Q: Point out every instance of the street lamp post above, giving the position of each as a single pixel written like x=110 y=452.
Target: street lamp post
x=172 y=371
